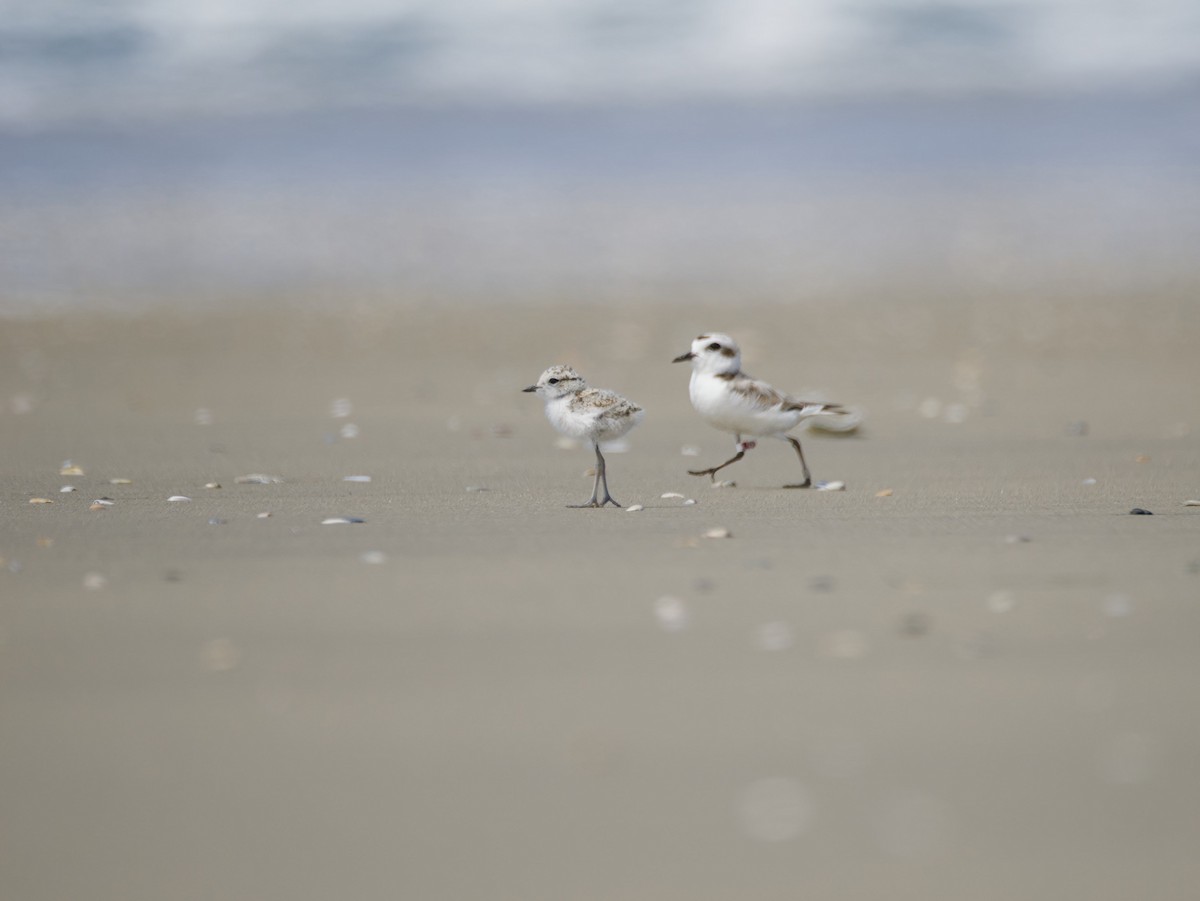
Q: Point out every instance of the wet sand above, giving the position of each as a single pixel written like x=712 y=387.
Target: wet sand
x=978 y=686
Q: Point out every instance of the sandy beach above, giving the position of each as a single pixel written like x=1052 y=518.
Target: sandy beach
x=970 y=674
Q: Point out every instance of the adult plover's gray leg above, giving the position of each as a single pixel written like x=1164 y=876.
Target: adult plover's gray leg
x=601 y=479
x=807 y=483
x=741 y=452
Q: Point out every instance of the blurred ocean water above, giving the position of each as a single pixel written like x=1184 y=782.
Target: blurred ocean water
x=162 y=152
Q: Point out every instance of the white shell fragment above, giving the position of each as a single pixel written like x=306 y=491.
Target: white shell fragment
x=178 y=499
x=718 y=532
x=341 y=520
x=356 y=479
x=831 y=486
x=670 y=494
x=634 y=508
x=671 y=613
x=40 y=500
x=120 y=481
x=257 y=478
x=70 y=469
x=1191 y=503
x=725 y=483
x=690 y=502
x=66 y=489
x=266 y=514
x=212 y=484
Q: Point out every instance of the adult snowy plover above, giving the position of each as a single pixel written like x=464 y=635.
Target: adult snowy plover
x=576 y=410
x=735 y=402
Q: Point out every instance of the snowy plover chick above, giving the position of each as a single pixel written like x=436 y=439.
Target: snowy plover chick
x=732 y=401
x=578 y=411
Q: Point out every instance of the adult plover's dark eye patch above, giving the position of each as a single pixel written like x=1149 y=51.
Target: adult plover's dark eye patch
x=552 y=381
x=714 y=346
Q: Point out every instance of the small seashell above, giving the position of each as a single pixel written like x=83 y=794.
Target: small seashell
x=670 y=494
x=266 y=514
x=257 y=478
x=690 y=502
x=217 y=521
x=96 y=505
x=104 y=501
x=634 y=508
x=66 y=489
x=831 y=486
x=1089 y=481
x=356 y=479
x=1191 y=503
x=1140 y=511
x=40 y=500
x=672 y=613
x=212 y=484
x=341 y=520
x=178 y=498
x=70 y=469
x=725 y=483
x=886 y=492
x=120 y=481
x=718 y=532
